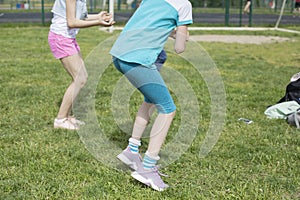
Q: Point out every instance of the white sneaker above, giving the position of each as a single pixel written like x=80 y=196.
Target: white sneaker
x=65 y=124
x=75 y=121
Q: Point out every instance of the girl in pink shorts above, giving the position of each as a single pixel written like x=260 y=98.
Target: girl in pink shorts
x=62 y=46
x=68 y=17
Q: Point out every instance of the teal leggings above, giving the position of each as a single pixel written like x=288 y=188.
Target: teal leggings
x=149 y=82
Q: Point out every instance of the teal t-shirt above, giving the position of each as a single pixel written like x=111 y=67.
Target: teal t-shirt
x=147 y=31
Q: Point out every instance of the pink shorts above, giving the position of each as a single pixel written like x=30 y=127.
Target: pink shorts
x=62 y=46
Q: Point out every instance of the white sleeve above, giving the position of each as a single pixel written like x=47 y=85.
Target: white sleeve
x=185 y=14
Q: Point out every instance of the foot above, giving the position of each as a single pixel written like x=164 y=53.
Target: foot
x=75 y=121
x=150 y=178
x=65 y=124
x=132 y=160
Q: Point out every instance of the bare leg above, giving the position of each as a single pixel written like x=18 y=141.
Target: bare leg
x=142 y=120
x=159 y=132
x=74 y=65
x=247 y=7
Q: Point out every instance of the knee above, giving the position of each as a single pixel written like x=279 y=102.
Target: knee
x=81 y=80
x=172 y=114
x=169 y=109
x=141 y=121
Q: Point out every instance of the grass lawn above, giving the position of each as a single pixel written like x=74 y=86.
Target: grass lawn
x=256 y=161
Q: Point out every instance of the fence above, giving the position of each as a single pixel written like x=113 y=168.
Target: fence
x=229 y=11
x=203 y=5
x=25 y=5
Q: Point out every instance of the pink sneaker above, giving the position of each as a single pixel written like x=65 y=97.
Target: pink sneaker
x=132 y=160
x=75 y=121
x=65 y=124
x=150 y=178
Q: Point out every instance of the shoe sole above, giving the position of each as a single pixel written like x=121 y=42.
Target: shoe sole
x=59 y=127
x=127 y=162
x=146 y=181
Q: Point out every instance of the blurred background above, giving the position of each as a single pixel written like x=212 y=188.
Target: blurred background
x=205 y=5
x=206 y=12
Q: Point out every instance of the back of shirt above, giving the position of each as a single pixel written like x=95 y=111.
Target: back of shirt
x=145 y=34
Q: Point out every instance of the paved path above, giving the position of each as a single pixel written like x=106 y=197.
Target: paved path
x=241 y=39
x=202 y=18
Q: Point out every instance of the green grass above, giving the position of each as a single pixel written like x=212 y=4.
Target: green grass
x=256 y=161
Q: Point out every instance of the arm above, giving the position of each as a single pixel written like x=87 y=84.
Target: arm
x=97 y=16
x=104 y=19
x=180 y=38
x=92 y=16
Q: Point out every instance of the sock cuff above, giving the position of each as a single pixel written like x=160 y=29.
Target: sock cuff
x=60 y=120
x=151 y=156
x=135 y=141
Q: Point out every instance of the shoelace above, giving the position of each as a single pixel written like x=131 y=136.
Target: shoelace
x=156 y=168
x=157 y=177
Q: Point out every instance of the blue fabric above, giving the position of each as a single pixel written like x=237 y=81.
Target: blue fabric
x=148 y=162
x=133 y=148
x=161 y=59
x=149 y=82
x=147 y=31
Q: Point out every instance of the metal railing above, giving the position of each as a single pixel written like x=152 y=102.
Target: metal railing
x=203 y=5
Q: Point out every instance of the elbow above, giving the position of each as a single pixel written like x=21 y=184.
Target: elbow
x=71 y=24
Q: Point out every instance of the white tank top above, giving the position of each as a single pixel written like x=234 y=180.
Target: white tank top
x=59 y=20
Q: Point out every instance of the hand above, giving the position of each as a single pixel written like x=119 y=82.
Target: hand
x=107 y=23
x=105 y=19
x=102 y=15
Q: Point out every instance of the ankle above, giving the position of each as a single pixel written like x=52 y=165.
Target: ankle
x=60 y=120
x=149 y=161
x=134 y=145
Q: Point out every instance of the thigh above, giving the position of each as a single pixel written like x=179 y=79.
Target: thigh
x=158 y=95
x=150 y=83
x=74 y=65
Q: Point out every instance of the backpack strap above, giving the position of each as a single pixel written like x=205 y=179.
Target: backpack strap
x=283 y=99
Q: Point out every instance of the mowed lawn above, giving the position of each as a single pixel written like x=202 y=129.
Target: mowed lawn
x=256 y=161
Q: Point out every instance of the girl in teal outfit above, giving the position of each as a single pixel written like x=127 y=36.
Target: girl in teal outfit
x=134 y=54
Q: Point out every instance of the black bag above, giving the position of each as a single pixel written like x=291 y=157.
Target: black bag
x=292 y=92
x=294 y=119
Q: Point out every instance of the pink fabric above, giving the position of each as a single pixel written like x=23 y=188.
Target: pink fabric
x=62 y=46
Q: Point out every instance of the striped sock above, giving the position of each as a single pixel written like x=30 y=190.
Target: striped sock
x=134 y=145
x=149 y=162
